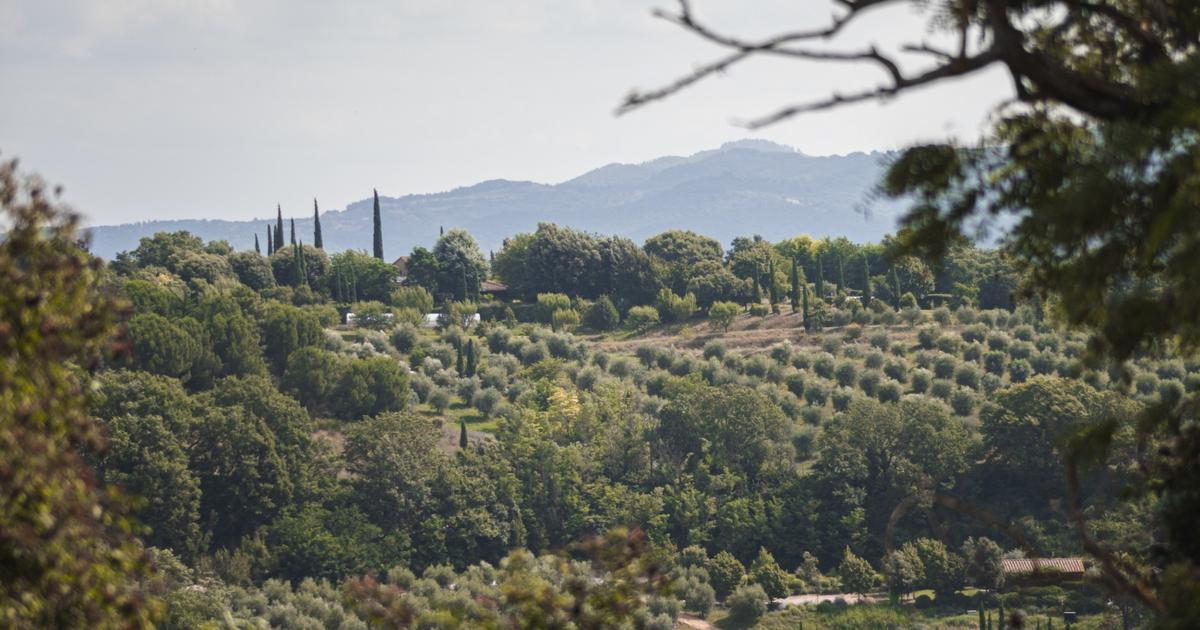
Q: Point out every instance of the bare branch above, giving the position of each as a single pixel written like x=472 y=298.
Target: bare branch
x=956 y=68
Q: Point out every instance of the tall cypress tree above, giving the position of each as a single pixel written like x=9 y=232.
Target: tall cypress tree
x=318 y=242
x=757 y=289
x=460 y=364
x=867 y=289
x=772 y=290
x=377 y=241
x=807 y=318
x=895 y=288
x=472 y=357
x=841 y=274
x=270 y=241
x=820 y=287
x=278 y=227
x=293 y=231
x=462 y=434
x=795 y=293
x=257 y=249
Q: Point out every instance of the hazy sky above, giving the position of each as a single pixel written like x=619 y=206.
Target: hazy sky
x=148 y=109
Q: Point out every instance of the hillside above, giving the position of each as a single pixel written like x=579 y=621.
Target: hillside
x=742 y=187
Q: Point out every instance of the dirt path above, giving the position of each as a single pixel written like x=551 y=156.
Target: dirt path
x=804 y=600
x=688 y=621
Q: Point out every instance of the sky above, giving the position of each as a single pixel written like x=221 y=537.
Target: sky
x=158 y=109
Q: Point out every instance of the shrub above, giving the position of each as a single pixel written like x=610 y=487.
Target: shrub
x=816 y=393
x=842 y=397
x=967 y=375
x=673 y=308
x=869 y=382
x=781 y=353
x=948 y=345
x=404 y=337
x=973 y=352
x=873 y=360
x=439 y=399
x=602 y=315
x=880 y=340
x=715 y=349
x=974 y=333
x=759 y=310
x=962 y=402
x=421 y=385
x=723 y=313
x=641 y=318
x=997 y=341
x=853 y=333
x=994 y=362
x=564 y=320
x=831 y=344
x=767 y=573
x=896 y=369
x=747 y=604
x=941 y=388
x=725 y=572
x=548 y=303
x=486 y=401
x=845 y=372
x=942 y=315
x=823 y=365
x=794 y=382
x=921 y=378
x=415 y=297
x=888 y=391
x=944 y=365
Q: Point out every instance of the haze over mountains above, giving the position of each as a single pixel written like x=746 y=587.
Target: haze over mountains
x=742 y=188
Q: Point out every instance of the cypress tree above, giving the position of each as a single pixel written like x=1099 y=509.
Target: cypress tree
x=318 y=242
x=377 y=240
x=462 y=434
x=441 y=230
x=807 y=321
x=293 y=231
x=772 y=290
x=472 y=358
x=866 y=299
x=1000 y=614
x=278 y=228
x=257 y=249
x=757 y=289
x=841 y=274
x=820 y=287
x=982 y=617
x=795 y=294
x=459 y=364
x=896 y=287
x=270 y=241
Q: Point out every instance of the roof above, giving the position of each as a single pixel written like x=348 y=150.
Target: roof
x=401 y=263
x=491 y=286
x=1032 y=565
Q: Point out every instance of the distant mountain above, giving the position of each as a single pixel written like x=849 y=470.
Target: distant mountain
x=743 y=188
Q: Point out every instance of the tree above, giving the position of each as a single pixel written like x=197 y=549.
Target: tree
x=309 y=268
x=680 y=253
x=287 y=328
x=472 y=359
x=458 y=259
x=602 y=315
x=807 y=312
x=944 y=569
x=725 y=573
x=270 y=241
x=257 y=247
x=748 y=604
x=161 y=347
x=984 y=563
x=820 y=286
x=311 y=375
x=377 y=229
x=370 y=386
x=67 y=541
x=856 y=574
x=767 y=573
x=252 y=270
x=641 y=318
x=796 y=286
x=293 y=231
x=278 y=228
x=904 y=570
x=712 y=281
x=318 y=242
x=564 y=319
x=723 y=314
x=866 y=296
x=462 y=434
x=373 y=279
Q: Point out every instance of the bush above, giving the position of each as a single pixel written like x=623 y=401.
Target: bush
x=923 y=602
x=564 y=320
x=602 y=315
x=967 y=375
x=715 y=349
x=439 y=399
x=941 y=388
x=641 y=318
x=994 y=362
x=823 y=365
x=673 y=308
x=723 y=313
x=888 y=391
x=725 y=572
x=869 y=382
x=404 y=338
x=747 y=604
x=816 y=393
x=962 y=402
x=842 y=397
x=845 y=373
x=944 y=365
x=416 y=298
x=548 y=303
x=896 y=369
x=486 y=401
x=759 y=310
x=921 y=379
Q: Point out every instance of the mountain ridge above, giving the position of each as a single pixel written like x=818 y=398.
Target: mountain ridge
x=743 y=187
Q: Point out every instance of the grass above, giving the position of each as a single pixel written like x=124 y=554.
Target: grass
x=459 y=411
